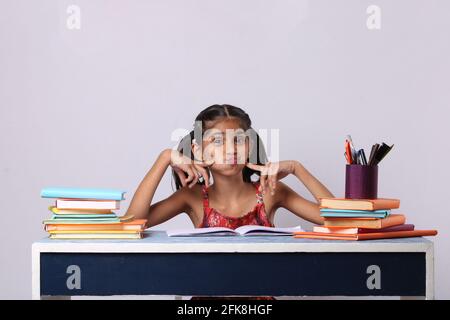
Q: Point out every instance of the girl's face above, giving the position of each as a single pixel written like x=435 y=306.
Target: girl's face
x=227 y=144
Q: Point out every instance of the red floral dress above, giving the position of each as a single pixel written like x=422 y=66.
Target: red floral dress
x=213 y=218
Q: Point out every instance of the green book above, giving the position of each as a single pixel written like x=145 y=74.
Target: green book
x=79 y=221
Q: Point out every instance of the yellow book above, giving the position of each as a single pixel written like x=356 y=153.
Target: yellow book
x=55 y=210
x=96 y=236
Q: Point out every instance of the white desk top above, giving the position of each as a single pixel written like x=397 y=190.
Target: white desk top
x=158 y=241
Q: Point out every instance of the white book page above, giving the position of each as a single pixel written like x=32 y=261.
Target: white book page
x=200 y=231
x=248 y=230
x=263 y=230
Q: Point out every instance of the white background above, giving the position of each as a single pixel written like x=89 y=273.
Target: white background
x=94 y=107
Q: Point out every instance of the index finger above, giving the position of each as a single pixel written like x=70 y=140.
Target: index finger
x=204 y=174
x=204 y=163
x=255 y=166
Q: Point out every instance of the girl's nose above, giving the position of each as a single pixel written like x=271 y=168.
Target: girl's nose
x=230 y=147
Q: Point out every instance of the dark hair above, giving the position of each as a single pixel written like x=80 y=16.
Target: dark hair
x=216 y=112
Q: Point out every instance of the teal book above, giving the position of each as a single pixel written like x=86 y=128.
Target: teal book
x=342 y=213
x=82 y=193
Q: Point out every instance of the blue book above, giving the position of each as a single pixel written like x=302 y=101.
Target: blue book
x=353 y=215
x=342 y=213
x=386 y=211
x=82 y=193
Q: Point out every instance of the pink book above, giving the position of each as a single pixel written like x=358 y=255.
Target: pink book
x=341 y=230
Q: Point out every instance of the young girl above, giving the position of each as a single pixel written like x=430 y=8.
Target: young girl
x=227 y=153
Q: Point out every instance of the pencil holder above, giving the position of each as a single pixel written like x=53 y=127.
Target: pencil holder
x=361 y=181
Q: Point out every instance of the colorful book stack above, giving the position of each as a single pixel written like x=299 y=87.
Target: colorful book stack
x=82 y=213
x=362 y=219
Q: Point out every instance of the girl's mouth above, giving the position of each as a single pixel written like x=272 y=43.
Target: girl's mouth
x=231 y=160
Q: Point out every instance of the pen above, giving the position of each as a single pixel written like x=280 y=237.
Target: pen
x=381 y=152
x=372 y=153
x=348 y=152
x=352 y=149
x=362 y=156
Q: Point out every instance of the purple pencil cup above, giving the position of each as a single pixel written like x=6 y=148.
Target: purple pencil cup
x=361 y=181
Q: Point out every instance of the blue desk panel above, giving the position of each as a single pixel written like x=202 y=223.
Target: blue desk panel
x=234 y=273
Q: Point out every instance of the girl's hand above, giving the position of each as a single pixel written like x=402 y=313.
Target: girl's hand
x=271 y=172
x=194 y=169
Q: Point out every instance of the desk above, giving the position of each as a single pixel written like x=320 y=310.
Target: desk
x=222 y=265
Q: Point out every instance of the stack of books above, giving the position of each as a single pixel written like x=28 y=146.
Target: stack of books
x=362 y=219
x=82 y=213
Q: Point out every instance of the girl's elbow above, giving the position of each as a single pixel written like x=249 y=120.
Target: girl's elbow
x=137 y=215
x=318 y=219
x=321 y=221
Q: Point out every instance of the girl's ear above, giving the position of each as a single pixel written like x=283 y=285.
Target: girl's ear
x=196 y=150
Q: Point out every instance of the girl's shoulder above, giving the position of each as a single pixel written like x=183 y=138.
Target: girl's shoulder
x=192 y=194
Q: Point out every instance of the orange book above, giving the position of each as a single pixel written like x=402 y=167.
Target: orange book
x=368 y=223
x=365 y=236
x=359 y=204
x=135 y=225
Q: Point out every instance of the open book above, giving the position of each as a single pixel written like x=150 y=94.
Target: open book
x=248 y=230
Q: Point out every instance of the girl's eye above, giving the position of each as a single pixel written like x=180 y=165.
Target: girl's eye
x=218 y=141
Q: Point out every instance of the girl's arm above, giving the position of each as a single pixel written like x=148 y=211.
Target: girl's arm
x=286 y=197
x=317 y=189
x=140 y=205
x=292 y=201
x=300 y=206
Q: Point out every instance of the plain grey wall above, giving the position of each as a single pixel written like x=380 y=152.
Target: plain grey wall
x=94 y=107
